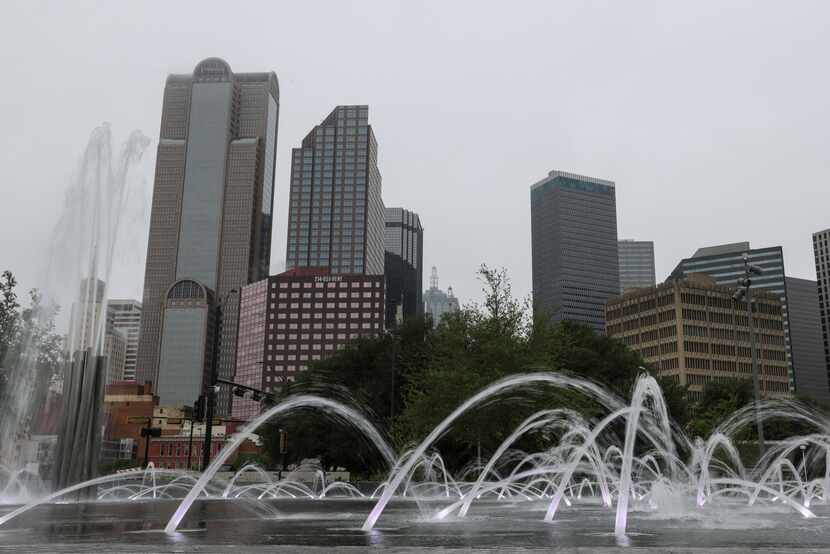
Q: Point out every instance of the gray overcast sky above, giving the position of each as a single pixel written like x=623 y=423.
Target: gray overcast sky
x=711 y=117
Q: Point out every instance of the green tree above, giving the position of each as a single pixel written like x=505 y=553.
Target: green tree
x=370 y=375
x=676 y=397
x=575 y=348
x=36 y=334
x=718 y=401
x=9 y=313
x=476 y=346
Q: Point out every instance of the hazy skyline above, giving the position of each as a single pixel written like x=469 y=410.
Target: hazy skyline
x=711 y=119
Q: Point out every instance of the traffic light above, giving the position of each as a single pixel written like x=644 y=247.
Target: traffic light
x=154 y=432
x=199 y=409
x=283 y=441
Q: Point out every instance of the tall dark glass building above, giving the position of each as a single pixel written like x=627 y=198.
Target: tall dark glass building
x=335 y=216
x=210 y=224
x=403 y=265
x=807 y=349
x=725 y=264
x=573 y=221
x=821 y=251
x=636 y=264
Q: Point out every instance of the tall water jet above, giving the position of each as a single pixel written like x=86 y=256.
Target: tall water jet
x=78 y=258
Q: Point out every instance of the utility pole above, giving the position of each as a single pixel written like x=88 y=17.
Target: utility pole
x=744 y=292
x=148 y=431
x=213 y=382
x=210 y=397
x=198 y=412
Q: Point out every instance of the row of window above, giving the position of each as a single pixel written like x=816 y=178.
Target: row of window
x=326 y=282
x=328 y=305
x=328 y=315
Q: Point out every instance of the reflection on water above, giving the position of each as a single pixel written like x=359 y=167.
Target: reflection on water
x=126 y=526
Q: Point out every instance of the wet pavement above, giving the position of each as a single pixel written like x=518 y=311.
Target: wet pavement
x=334 y=525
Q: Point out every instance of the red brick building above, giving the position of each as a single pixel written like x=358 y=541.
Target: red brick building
x=124 y=400
x=297 y=317
x=171 y=451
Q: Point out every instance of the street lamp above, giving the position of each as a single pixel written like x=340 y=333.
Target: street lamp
x=803 y=447
x=744 y=293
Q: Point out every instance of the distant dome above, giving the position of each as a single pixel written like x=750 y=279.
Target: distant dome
x=212 y=69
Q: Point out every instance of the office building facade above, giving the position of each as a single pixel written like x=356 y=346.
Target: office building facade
x=821 y=252
x=210 y=223
x=335 y=216
x=126 y=319
x=574 y=247
x=87 y=319
x=403 y=266
x=725 y=264
x=806 y=347
x=293 y=319
x=115 y=349
x=692 y=331
x=636 y=264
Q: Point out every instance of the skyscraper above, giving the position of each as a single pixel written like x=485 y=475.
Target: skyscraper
x=91 y=327
x=725 y=264
x=210 y=224
x=821 y=251
x=636 y=264
x=403 y=265
x=573 y=222
x=87 y=322
x=126 y=318
x=335 y=216
x=115 y=350
x=807 y=349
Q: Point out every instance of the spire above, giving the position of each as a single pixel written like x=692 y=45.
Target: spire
x=433 y=278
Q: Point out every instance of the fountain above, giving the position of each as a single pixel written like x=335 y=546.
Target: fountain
x=75 y=273
x=653 y=486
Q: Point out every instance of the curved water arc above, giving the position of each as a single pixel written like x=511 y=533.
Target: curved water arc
x=290 y=403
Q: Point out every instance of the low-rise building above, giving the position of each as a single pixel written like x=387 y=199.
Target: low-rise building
x=125 y=403
x=173 y=449
x=693 y=331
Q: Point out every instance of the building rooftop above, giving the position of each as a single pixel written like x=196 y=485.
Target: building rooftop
x=692 y=280
x=554 y=174
x=717 y=250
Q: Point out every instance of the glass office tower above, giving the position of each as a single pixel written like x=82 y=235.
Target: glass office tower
x=335 y=217
x=403 y=265
x=636 y=264
x=574 y=247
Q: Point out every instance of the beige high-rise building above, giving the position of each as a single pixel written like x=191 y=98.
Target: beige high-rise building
x=210 y=224
x=126 y=318
x=115 y=349
x=694 y=332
